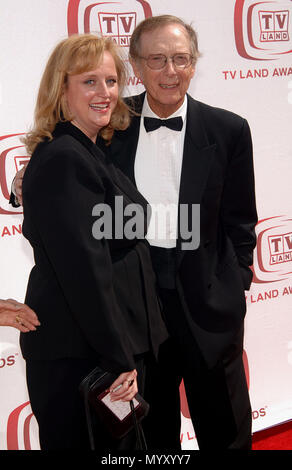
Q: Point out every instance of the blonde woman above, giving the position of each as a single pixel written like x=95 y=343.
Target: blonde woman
x=95 y=297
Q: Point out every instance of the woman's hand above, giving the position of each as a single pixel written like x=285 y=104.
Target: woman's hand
x=18 y=315
x=17 y=184
x=125 y=386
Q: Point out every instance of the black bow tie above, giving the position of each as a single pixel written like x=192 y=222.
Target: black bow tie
x=151 y=124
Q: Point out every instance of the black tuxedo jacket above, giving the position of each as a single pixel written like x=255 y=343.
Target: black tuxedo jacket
x=94 y=298
x=217 y=173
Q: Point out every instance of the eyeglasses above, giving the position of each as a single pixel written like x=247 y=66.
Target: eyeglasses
x=158 y=61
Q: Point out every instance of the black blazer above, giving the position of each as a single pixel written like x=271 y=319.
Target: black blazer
x=217 y=173
x=94 y=298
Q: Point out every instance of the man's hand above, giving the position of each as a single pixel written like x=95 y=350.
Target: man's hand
x=17 y=184
x=17 y=315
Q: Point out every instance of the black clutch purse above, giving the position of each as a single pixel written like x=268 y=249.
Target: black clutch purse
x=119 y=418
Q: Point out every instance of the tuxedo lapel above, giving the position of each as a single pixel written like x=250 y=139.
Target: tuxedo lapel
x=198 y=155
x=124 y=144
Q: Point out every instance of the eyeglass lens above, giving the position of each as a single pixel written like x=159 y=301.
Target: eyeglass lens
x=158 y=61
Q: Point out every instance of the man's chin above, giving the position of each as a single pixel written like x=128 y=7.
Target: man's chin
x=172 y=102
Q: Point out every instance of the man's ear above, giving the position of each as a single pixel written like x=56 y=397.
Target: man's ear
x=136 y=67
x=193 y=71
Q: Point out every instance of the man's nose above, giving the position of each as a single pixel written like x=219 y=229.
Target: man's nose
x=170 y=67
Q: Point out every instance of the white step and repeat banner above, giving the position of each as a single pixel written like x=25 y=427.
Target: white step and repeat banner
x=246 y=67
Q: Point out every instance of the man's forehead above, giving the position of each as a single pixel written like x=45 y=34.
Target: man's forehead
x=166 y=35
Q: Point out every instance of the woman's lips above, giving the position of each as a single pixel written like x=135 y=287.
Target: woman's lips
x=100 y=107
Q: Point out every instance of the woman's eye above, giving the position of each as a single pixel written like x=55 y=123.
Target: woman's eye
x=89 y=82
x=111 y=81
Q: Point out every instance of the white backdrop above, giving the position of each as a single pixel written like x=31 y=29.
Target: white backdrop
x=246 y=67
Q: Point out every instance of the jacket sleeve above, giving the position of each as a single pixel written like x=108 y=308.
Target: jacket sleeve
x=13 y=199
x=59 y=195
x=239 y=205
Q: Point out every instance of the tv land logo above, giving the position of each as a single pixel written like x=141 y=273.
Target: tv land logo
x=262 y=29
x=274 y=25
x=273 y=254
x=116 y=20
x=118 y=26
x=12 y=159
x=280 y=246
x=21 y=429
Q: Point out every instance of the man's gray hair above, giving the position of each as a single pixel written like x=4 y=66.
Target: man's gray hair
x=154 y=22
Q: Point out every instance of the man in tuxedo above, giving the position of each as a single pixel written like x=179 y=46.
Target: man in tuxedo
x=204 y=158
x=182 y=153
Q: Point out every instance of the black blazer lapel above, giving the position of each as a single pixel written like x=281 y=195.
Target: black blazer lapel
x=197 y=160
x=97 y=152
x=124 y=144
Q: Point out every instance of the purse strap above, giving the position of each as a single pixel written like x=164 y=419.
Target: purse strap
x=140 y=437
x=88 y=416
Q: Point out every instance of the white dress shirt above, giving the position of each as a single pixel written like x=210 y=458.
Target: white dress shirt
x=157 y=173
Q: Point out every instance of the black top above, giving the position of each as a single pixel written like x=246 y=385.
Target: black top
x=94 y=298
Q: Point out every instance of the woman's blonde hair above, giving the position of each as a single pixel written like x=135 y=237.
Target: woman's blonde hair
x=74 y=55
